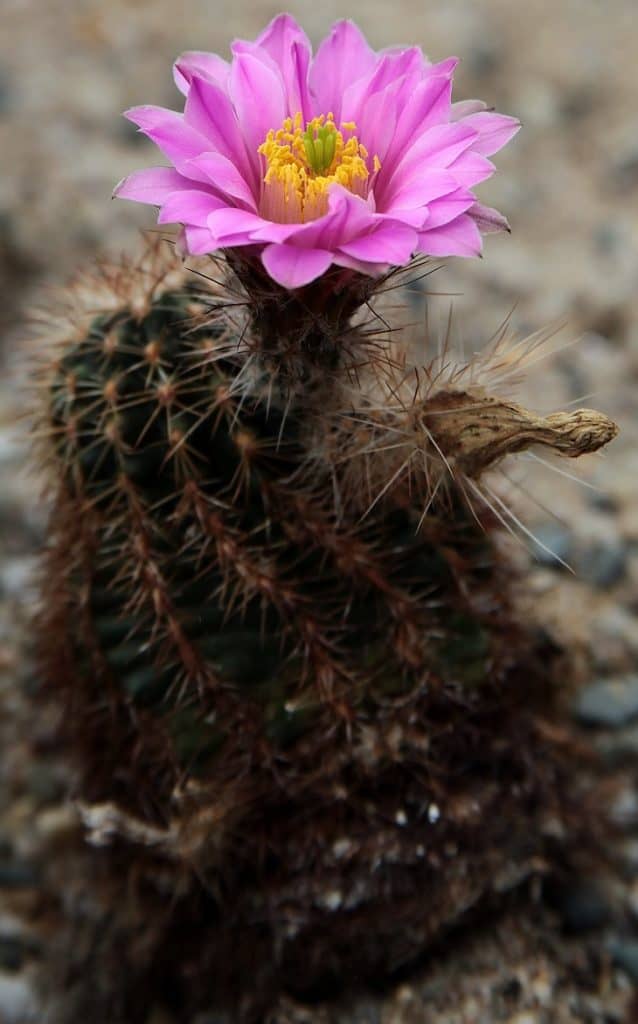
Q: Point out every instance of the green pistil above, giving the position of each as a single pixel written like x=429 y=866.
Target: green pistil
x=320 y=147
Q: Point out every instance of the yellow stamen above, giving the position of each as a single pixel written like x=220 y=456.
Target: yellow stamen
x=301 y=164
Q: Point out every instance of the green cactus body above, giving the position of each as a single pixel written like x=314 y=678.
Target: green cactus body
x=313 y=699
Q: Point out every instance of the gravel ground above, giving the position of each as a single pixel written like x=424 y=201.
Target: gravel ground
x=569 y=185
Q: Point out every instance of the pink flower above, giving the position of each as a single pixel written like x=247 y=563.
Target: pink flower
x=350 y=157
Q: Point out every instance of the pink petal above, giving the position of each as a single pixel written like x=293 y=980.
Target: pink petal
x=390 y=70
x=460 y=237
x=471 y=169
x=189 y=206
x=209 y=111
x=421 y=188
x=168 y=130
x=341 y=58
x=348 y=217
x=152 y=185
x=289 y=47
x=428 y=105
x=376 y=118
x=487 y=219
x=494 y=130
x=362 y=266
x=205 y=65
x=388 y=242
x=231 y=226
x=196 y=241
x=463 y=108
x=435 y=149
x=258 y=96
x=448 y=208
x=223 y=175
x=293 y=267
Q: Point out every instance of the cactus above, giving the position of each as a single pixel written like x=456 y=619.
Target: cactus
x=274 y=607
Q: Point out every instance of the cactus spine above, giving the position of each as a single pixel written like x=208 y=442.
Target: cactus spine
x=274 y=608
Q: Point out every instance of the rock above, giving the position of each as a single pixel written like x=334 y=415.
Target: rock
x=614 y=639
x=603 y=563
x=624 y=809
x=608 y=703
x=624 y=953
x=582 y=905
x=17 y=1000
x=17 y=575
x=555 y=541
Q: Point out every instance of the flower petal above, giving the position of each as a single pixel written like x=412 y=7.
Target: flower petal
x=494 y=130
x=258 y=97
x=388 y=242
x=348 y=217
x=460 y=237
x=189 y=206
x=293 y=267
x=209 y=111
x=421 y=188
x=289 y=47
x=222 y=174
x=391 y=69
x=487 y=219
x=471 y=169
x=152 y=185
x=362 y=266
x=463 y=108
x=435 y=150
x=196 y=241
x=231 y=226
x=428 y=105
x=342 y=57
x=448 y=208
x=205 y=65
x=168 y=130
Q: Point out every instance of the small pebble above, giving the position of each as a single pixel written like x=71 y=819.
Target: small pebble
x=608 y=703
x=16 y=575
x=624 y=809
x=17 y=1000
x=602 y=563
x=554 y=541
x=624 y=953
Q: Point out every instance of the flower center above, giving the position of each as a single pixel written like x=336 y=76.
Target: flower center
x=301 y=164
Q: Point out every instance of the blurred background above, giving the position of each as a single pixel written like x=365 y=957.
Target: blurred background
x=568 y=184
